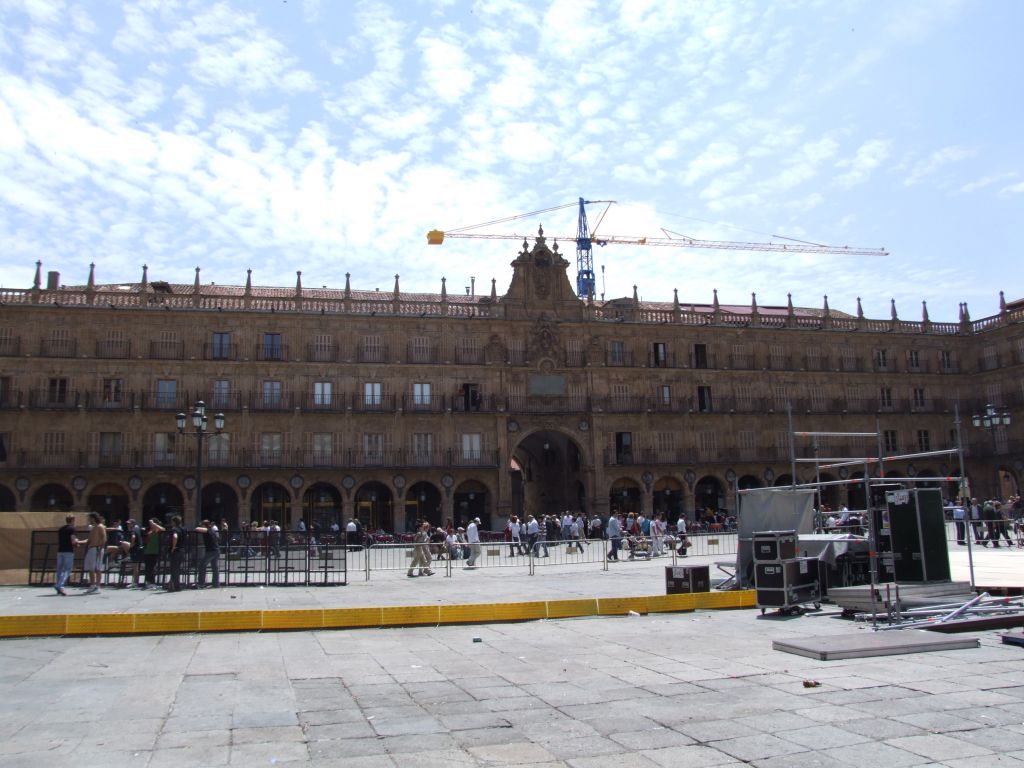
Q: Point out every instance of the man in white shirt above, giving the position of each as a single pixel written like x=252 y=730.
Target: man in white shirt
x=473 y=539
x=532 y=531
x=515 y=537
x=658 y=535
x=681 y=535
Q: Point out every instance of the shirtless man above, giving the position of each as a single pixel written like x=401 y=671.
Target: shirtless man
x=95 y=545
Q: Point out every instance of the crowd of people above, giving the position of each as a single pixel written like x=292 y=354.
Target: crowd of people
x=990 y=522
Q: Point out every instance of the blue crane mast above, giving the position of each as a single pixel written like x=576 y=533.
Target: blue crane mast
x=584 y=256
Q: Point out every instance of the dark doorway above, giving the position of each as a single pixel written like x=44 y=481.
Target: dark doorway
x=549 y=467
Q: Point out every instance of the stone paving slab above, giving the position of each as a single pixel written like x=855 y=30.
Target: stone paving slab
x=583 y=693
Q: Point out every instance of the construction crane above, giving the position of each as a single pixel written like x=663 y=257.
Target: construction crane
x=586 y=239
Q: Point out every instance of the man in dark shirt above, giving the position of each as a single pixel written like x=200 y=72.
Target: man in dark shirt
x=176 y=551
x=66 y=543
x=211 y=554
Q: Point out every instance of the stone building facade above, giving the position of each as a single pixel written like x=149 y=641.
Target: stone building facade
x=394 y=406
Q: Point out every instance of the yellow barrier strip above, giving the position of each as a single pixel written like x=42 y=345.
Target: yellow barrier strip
x=348 y=618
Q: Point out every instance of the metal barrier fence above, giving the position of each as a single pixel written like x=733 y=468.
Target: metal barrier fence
x=245 y=559
x=259 y=559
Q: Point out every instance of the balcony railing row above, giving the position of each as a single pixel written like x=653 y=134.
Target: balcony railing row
x=185 y=460
x=432 y=353
x=56 y=398
x=241 y=458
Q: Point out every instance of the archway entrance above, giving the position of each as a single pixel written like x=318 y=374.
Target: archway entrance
x=471 y=500
x=625 y=496
x=52 y=497
x=547 y=474
x=422 y=502
x=162 y=501
x=220 y=502
x=709 y=496
x=668 y=499
x=321 y=507
x=374 y=508
x=271 y=501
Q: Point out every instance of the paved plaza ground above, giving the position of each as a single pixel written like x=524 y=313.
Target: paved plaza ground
x=684 y=689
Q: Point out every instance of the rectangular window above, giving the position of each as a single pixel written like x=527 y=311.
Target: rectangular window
x=422 y=447
x=469 y=350
x=623 y=447
x=373 y=447
x=471 y=443
x=110 y=448
x=990 y=358
x=913 y=359
x=221 y=394
x=574 y=352
x=113 y=392
x=704 y=399
x=814 y=358
x=419 y=349
x=781 y=395
x=700 y=355
x=777 y=357
x=666 y=442
x=272 y=394
x=708 y=444
x=57 y=391
x=665 y=395
x=818 y=402
x=919 y=398
x=322 y=392
x=741 y=357
x=270 y=447
x=323 y=348
x=946 y=360
x=849 y=355
x=373 y=349
x=924 y=441
x=220 y=346
x=163 y=447
x=881 y=359
x=885 y=397
x=421 y=394
x=272 y=348
x=659 y=355
x=372 y=393
x=744 y=397
x=53 y=443
x=890 y=441
x=218 y=447
x=166 y=393
x=746 y=440
x=616 y=353
x=323 y=448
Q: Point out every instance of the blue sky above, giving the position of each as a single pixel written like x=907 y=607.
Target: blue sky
x=328 y=137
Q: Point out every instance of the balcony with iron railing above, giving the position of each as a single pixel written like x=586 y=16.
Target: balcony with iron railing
x=423 y=403
x=223 y=401
x=622 y=358
x=167 y=350
x=322 y=353
x=57 y=347
x=271 y=352
x=270 y=401
x=98 y=400
x=164 y=401
x=418 y=353
x=527 y=404
x=10 y=346
x=220 y=351
x=324 y=402
x=50 y=398
x=114 y=349
x=384 y=403
x=374 y=354
x=988 y=362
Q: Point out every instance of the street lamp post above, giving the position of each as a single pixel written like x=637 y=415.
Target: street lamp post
x=991 y=419
x=199 y=428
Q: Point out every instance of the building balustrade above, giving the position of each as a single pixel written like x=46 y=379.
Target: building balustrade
x=322 y=353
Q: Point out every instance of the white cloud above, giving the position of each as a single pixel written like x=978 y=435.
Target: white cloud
x=447 y=68
x=1013 y=189
x=870 y=155
x=936 y=160
x=716 y=156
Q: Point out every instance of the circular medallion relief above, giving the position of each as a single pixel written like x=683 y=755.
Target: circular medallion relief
x=243 y=481
x=399 y=481
x=78 y=483
x=348 y=482
x=22 y=483
x=135 y=482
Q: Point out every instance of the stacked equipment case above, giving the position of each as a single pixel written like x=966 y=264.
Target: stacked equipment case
x=783 y=581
